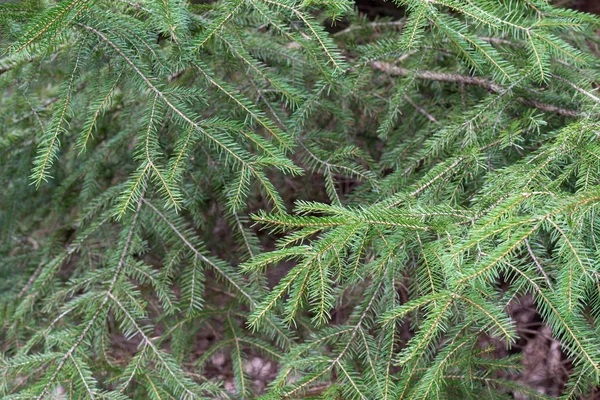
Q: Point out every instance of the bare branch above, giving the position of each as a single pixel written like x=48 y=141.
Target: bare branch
x=395 y=70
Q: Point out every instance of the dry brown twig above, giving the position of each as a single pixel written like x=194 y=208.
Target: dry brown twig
x=395 y=70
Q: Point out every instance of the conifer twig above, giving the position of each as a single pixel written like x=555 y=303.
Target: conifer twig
x=100 y=308
x=393 y=70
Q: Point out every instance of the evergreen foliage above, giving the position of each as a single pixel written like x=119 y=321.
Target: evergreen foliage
x=416 y=176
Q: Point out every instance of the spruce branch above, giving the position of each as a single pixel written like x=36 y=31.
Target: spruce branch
x=363 y=212
x=100 y=309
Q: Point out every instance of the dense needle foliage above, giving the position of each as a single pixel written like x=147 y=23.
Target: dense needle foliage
x=360 y=207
